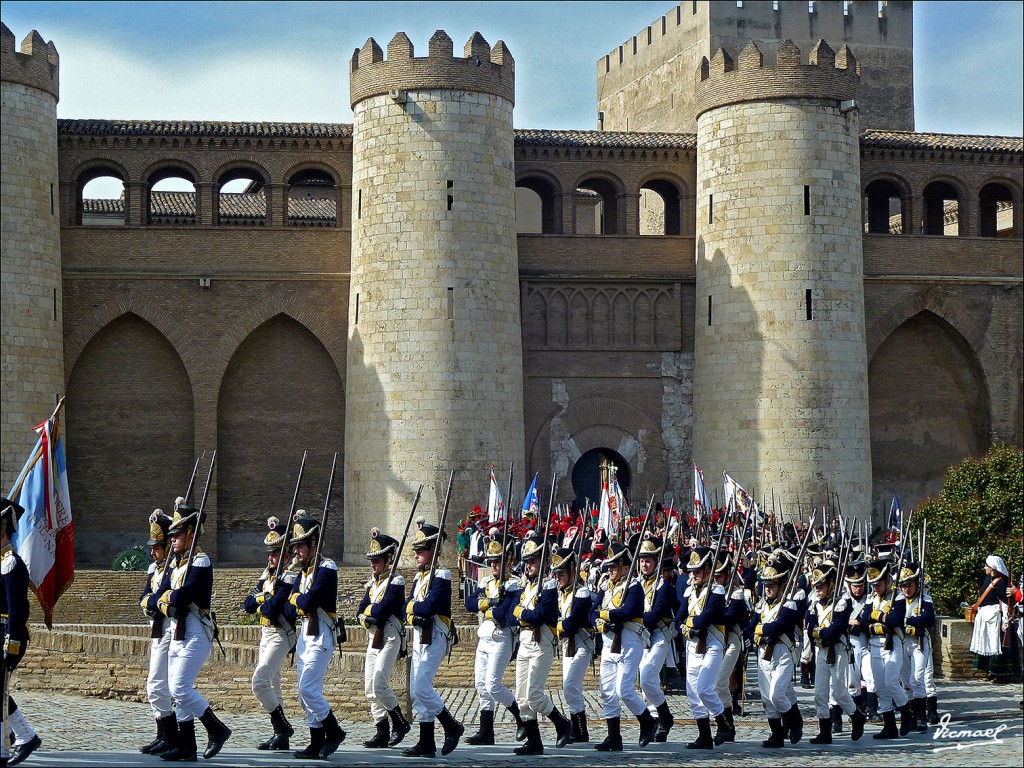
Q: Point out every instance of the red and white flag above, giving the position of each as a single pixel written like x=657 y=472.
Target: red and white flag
x=495 y=504
x=45 y=538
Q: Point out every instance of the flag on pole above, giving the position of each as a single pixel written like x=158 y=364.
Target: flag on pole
x=895 y=514
x=734 y=494
x=495 y=504
x=531 y=503
x=45 y=538
x=607 y=518
x=701 y=502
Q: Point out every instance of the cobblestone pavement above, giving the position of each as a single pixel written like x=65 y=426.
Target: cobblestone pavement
x=80 y=731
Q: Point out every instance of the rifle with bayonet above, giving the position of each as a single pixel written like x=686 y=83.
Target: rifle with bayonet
x=287 y=538
x=192 y=480
x=904 y=529
x=570 y=646
x=542 y=534
x=616 y=646
x=179 y=629
x=427 y=631
x=313 y=624
x=791 y=582
x=702 y=638
x=844 y=554
x=378 y=632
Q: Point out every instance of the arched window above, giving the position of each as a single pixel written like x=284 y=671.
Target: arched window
x=995 y=211
x=660 y=208
x=606 y=211
x=535 y=207
x=590 y=473
x=942 y=215
x=883 y=208
x=172 y=197
x=312 y=199
x=100 y=200
x=241 y=198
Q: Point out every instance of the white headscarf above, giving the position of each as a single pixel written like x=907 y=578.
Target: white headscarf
x=995 y=562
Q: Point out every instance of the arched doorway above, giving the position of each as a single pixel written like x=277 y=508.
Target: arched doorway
x=589 y=472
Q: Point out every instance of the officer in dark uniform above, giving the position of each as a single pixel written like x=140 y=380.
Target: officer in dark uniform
x=14 y=612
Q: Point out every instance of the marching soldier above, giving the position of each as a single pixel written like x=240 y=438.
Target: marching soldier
x=884 y=616
x=381 y=612
x=772 y=627
x=314 y=596
x=828 y=620
x=735 y=618
x=660 y=605
x=861 y=685
x=702 y=615
x=185 y=598
x=576 y=634
x=917 y=647
x=494 y=602
x=270 y=599
x=537 y=614
x=158 y=692
x=14 y=613
x=429 y=610
x=620 y=621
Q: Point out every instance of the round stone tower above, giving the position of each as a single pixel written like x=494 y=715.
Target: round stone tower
x=780 y=379
x=32 y=368
x=435 y=369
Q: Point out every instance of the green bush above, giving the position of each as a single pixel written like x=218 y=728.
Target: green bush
x=978 y=512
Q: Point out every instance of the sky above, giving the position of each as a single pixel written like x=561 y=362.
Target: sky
x=278 y=61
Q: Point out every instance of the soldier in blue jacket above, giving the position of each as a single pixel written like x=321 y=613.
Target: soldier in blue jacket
x=576 y=634
x=884 y=615
x=315 y=594
x=660 y=605
x=14 y=612
x=270 y=600
x=493 y=601
x=917 y=645
x=158 y=691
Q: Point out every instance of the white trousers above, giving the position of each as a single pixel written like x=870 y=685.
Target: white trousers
x=426 y=659
x=618 y=675
x=377 y=670
x=493 y=654
x=533 y=663
x=184 y=660
x=574 y=669
x=887 y=671
x=702 y=677
x=774 y=679
x=158 y=690
x=651 y=662
x=275 y=643
x=929 y=672
x=312 y=655
x=733 y=648
x=830 y=681
x=859 y=672
x=917 y=653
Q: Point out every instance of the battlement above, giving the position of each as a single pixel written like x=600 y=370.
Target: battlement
x=36 y=65
x=480 y=68
x=826 y=75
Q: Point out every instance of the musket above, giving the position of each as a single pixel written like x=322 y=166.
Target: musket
x=378 y=632
x=313 y=624
x=616 y=646
x=702 y=641
x=286 y=539
x=508 y=494
x=904 y=525
x=427 y=632
x=543 y=536
x=179 y=629
x=192 y=479
x=844 y=554
x=920 y=582
x=570 y=646
x=769 y=650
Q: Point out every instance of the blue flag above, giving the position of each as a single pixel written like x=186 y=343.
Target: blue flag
x=895 y=513
x=531 y=503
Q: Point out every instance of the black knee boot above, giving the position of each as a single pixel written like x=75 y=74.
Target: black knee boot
x=704 y=739
x=282 y=732
x=399 y=726
x=824 y=731
x=889 y=729
x=873 y=715
x=932 y=703
x=613 y=741
x=563 y=729
x=185 y=749
x=148 y=748
x=906 y=719
x=484 y=735
x=857 y=720
x=795 y=724
x=775 y=738
x=580 y=734
x=724 y=729
x=425 y=747
x=837 y=719
x=216 y=733
x=382 y=736
x=920 y=716
x=665 y=723
x=316 y=740
x=648 y=727
x=453 y=731
x=520 y=723
x=334 y=734
x=534 y=745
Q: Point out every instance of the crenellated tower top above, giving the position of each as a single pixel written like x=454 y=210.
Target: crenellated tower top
x=827 y=75
x=480 y=68
x=36 y=65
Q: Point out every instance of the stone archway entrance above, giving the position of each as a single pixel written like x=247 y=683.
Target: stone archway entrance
x=589 y=472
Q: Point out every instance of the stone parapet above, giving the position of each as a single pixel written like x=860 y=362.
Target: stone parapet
x=36 y=65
